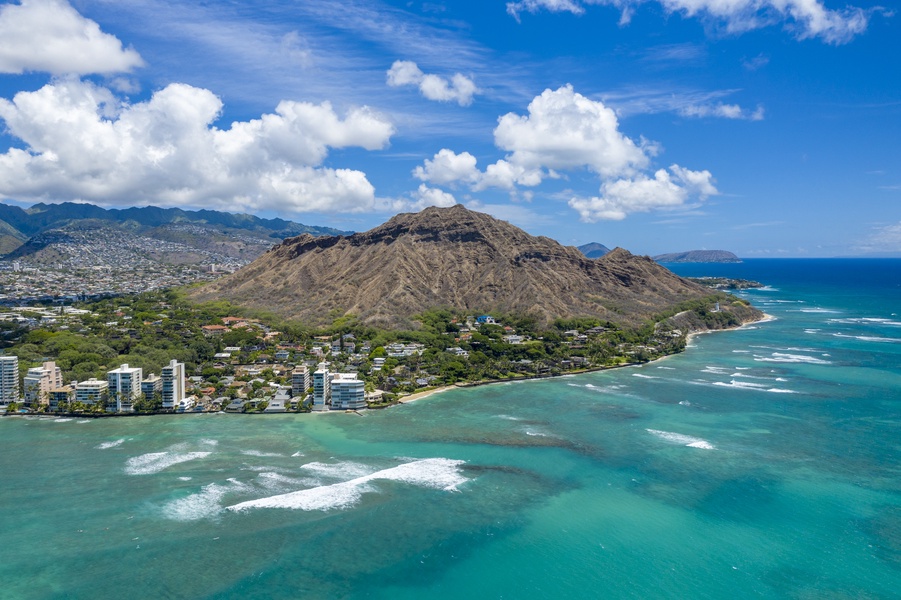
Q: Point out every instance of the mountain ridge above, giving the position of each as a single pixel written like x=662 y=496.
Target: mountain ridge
x=448 y=257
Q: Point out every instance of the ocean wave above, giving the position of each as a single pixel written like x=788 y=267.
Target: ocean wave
x=260 y=453
x=339 y=470
x=819 y=311
x=435 y=473
x=760 y=387
x=866 y=321
x=741 y=351
x=642 y=376
x=682 y=439
x=154 y=462
x=204 y=504
x=108 y=445
x=667 y=368
x=780 y=357
x=869 y=338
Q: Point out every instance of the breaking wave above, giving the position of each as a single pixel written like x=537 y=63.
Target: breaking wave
x=682 y=439
x=154 y=462
x=108 y=445
x=435 y=473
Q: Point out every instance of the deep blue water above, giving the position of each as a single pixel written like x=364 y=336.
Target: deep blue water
x=760 y=463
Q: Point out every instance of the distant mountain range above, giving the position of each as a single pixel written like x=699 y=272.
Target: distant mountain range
x=185 y=237
x=594 y=250
x=698 y=256
x=453 y=258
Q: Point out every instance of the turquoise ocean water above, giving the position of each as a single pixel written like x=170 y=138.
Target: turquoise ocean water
x=760 y=463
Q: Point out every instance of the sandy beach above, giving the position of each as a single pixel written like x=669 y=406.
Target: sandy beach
x=425 y=394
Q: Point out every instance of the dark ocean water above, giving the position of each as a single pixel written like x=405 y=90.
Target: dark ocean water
x=760 y=463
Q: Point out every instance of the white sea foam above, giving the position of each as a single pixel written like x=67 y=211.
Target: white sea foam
x=740 y=384
x=296 y=454
x=682 y=439
x=535 y=433
x=766 y=288
x=825 y=311
x=154 y=462
x=204 y=504
x=260 y=453
x=339 y=470
x=107 y=445
x=209 y=442
x=436 y=473
x=272 y=480
x=84 y=421
x=644 y=376
x=741 y=351
x=185 y=478
x=780 y=357
x=512 y=418
x=869 y=338
x=667 y=368
x=62 y=420
x=685 y=403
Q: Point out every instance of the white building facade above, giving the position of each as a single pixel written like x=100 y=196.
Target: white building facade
x=124 y=386
x=173 y=376
x=321 y=388
x=9 y=379
x=348 y=392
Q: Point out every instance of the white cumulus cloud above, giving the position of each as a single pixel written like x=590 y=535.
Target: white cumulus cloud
x=566 y=130
x=426 y=196
x=458 y=88
x=51 y=36
x=809 y=18
x=666 y=190
x=83 y=143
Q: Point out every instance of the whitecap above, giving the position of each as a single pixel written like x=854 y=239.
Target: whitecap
x=667 y=368
x=682 y=439
x=296 y=454
x=780 y=357
x=338 y=470
x=644 y=376
x=824 y=311
x=741 y=351
x=84 y=421
x=63 y=420
x=204 y=504
x=869 y=338
x=435 y=473
x=154 y=462
x=260 y=453
x=209 y=442
x=185 y=478
x=107 y=445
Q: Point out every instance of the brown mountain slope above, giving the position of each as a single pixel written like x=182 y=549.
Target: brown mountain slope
x=447 y=257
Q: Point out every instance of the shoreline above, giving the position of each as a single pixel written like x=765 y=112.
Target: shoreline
x=438 y=390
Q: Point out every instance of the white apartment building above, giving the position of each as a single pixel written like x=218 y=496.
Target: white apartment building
x=92 y=391
x=300 y=381
x=39 y=381
x=348 y=392
x=321 y=388
x=9 y=379
x=124 y=386
x=173 y=376
x=152 y=386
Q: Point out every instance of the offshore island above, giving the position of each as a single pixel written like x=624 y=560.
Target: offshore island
x=446 y=296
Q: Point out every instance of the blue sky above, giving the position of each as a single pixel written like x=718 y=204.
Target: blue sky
x=765 y=127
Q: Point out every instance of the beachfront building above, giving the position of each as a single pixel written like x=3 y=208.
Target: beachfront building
x=173 y=376
x=300 y=381
x=92 y=391
x=9 y=379
x=124 y=386
x=348 y=392
x=321 y=388
x=39 y=381
x=60 y=396
x=152 y=387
